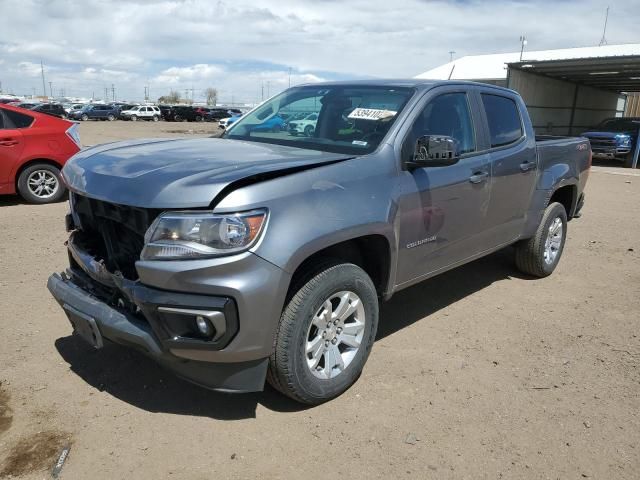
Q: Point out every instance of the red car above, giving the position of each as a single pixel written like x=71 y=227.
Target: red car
x=33 y=149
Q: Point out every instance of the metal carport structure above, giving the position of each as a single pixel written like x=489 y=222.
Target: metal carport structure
x=591 y=78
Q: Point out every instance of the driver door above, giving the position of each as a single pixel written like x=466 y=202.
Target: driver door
x=443 y=209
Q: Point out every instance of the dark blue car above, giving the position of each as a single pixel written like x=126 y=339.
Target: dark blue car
x=615 y=138
x=96 y=112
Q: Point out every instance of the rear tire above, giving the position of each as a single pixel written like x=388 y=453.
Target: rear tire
x=41 y=183
x=540 y=255
x=308 y=333
x=111 y=118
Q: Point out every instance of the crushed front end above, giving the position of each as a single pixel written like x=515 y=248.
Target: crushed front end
x=184 y=314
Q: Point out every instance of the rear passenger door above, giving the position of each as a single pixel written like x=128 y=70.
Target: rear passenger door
x=443 y=209
x=513 y=163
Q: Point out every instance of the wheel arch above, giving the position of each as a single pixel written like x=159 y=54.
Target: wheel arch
x=567 y=196
x=29 y=163
x=372 y=253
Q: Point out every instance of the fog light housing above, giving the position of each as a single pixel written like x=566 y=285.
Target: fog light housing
x=204 y=326
x=207 y=325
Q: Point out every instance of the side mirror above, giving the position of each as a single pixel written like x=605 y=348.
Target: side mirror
x=434 y=151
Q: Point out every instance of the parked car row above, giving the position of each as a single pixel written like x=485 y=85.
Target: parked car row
x=134 y=112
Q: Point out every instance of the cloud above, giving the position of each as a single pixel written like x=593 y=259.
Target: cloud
x=199 y=72
x=238 y=45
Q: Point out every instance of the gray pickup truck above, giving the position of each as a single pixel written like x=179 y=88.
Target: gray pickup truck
x=263 y=255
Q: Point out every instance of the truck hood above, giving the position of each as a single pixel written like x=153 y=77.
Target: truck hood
x=612 y=135
x=180 y=173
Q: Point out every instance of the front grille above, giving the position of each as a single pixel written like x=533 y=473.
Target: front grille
x=113 y=233
x=602 y=143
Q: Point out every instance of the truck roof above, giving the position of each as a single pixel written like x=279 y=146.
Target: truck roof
x=418 y=83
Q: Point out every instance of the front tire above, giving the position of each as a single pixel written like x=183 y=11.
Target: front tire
x=540 y=255
x=325 y=335
x=134 y=118
x=84 y=118
x=111 y=118
x=41 y=183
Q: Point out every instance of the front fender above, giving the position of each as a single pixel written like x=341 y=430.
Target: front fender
x=315 y=209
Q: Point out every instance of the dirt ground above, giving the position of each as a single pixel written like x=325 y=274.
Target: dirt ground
x=478 y=373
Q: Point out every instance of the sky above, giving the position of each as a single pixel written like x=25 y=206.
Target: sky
x=251 y=49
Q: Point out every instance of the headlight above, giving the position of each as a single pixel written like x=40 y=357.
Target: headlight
x=624 y=139
x=193 y=234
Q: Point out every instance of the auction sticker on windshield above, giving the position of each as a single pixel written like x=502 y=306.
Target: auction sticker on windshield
x=371 y=114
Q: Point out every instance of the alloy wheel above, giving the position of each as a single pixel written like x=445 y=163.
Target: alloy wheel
x=43 y=184
x=335 y=335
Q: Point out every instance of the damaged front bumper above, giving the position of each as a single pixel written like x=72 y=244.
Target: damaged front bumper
x=161 y=323
x=94 y=320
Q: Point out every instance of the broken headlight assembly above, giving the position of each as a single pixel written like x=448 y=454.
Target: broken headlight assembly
x=199 y=234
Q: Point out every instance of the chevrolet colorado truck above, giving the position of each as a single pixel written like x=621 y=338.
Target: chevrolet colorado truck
x=615 y=138
x=263 y=256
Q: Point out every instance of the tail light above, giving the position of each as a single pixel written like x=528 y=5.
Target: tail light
x=74 y=135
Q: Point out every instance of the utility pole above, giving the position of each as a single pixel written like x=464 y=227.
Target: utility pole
x=51 y=89
x=289 y=77
x=523 y=42
x=603 y=40
x=0 y=86
x=268 y=88
x=113 y=92
x=262 y=95
x=44 y=88
x=451 y=54
x=146 y=93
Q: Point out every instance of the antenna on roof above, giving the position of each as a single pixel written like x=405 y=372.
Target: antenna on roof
x=523 y=42
x=603 y=40
x=451 y=72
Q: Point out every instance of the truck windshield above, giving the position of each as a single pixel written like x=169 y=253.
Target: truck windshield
x=342 y=119
x=620 y=125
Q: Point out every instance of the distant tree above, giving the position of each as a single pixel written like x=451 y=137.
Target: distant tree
x=212 y=96
x=173 y=97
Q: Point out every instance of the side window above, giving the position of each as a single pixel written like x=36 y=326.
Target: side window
x=503 y=117
x=20 y=120
x=448 y=114
x=1 y=121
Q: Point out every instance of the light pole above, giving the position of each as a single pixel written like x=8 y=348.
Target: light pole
x=51 y=89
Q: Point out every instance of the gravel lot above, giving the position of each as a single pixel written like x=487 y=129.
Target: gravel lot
x=478 y=373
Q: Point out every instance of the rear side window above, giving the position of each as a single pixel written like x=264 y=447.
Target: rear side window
x=19 y=120
x=1 y=121
x=505 y=125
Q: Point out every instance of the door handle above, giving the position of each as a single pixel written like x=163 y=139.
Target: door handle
x=526 y=166
x=8 y=142
x=479 y=177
